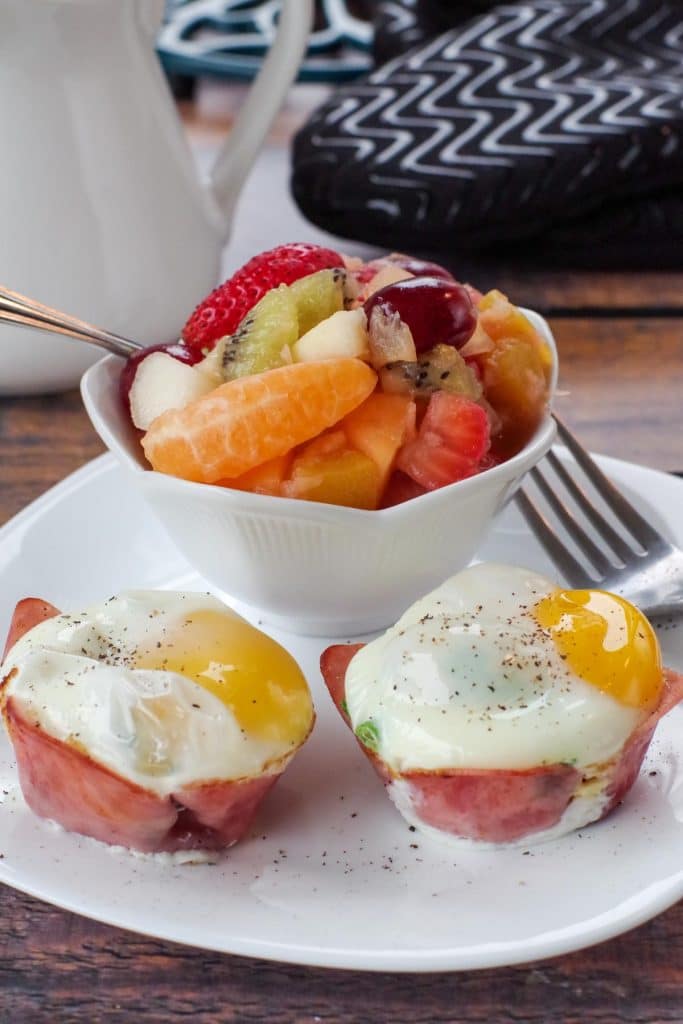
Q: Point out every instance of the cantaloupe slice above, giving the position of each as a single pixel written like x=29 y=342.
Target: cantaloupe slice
x=379 y=427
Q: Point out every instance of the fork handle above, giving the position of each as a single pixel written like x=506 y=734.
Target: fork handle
x=656 y=596
x=24 y=312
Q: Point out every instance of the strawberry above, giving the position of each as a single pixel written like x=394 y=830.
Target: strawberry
x=459 y=423
x=431 y=464
x=222 y=311
x=452 y=440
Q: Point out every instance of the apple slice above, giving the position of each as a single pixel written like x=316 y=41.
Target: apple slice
x=387 y=274
x=162 y=382
x=342 y=335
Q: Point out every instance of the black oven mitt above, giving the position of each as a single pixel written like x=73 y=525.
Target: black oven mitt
x=552 y=127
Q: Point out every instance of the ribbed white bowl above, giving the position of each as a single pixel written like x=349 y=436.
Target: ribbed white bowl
x=315 y=568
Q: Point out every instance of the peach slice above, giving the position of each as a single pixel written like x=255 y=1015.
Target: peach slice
x=379 y=427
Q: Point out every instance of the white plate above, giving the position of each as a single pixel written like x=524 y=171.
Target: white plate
x=332 y=876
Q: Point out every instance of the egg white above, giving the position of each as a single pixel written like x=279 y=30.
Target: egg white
x=71 y=676
x=467 y=679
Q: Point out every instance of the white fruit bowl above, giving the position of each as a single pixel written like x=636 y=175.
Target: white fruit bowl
x=309 y=567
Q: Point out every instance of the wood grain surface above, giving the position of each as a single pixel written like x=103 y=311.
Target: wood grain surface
x=56 y=967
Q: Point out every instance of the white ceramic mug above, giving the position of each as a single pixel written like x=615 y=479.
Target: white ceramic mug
x=101 y=210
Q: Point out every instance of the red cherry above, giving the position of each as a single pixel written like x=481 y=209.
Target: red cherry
x=175 y=348
x=437 y=312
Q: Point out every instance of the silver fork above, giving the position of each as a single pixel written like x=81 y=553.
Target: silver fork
x=635 y=560
x=19 y=309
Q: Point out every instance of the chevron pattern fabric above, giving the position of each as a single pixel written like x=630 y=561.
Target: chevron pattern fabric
x=547 y=120
x=402 y=24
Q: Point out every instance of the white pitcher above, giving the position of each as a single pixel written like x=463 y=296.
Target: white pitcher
x=101 y=210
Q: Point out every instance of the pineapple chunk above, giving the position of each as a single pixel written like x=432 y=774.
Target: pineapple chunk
x=343 y=477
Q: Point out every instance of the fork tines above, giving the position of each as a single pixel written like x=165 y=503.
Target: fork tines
x=564 y=487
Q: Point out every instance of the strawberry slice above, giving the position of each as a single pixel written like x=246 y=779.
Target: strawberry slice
x=429 y=463
x=459 y=422
x=452 y=440
x=222 y=311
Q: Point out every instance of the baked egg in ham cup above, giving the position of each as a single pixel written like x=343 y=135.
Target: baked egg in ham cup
x=156 y=721
x=503 y=709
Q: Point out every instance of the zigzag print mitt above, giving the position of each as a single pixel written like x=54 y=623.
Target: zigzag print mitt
x=402 y=24
x=552 y=122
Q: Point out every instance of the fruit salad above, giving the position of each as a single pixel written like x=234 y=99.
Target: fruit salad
x=313 y=375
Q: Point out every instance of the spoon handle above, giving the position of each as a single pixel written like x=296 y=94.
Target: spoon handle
x=18 y=309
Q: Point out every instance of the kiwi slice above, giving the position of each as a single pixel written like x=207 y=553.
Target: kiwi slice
x=441 y=368
x=262 y=339
x=318 y=296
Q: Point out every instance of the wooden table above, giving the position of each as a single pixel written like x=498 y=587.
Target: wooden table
x=621 y=348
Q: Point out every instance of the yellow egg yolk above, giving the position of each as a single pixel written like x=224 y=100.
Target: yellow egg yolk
x=249 y=672
x=605 y=641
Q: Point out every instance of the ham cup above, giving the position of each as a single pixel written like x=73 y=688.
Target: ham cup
x=156 y=721
x=503 y=709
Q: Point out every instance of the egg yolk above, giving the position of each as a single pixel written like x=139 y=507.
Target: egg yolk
x=249 y=672
x=605 y=641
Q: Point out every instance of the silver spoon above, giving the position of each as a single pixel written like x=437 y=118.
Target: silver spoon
x=18 y=309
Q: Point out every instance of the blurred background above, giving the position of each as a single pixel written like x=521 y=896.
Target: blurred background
x=546 y=133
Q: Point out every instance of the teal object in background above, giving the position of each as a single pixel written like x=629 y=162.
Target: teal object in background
x=228 y=38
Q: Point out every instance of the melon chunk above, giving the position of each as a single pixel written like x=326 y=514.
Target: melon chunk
x=379 y=427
